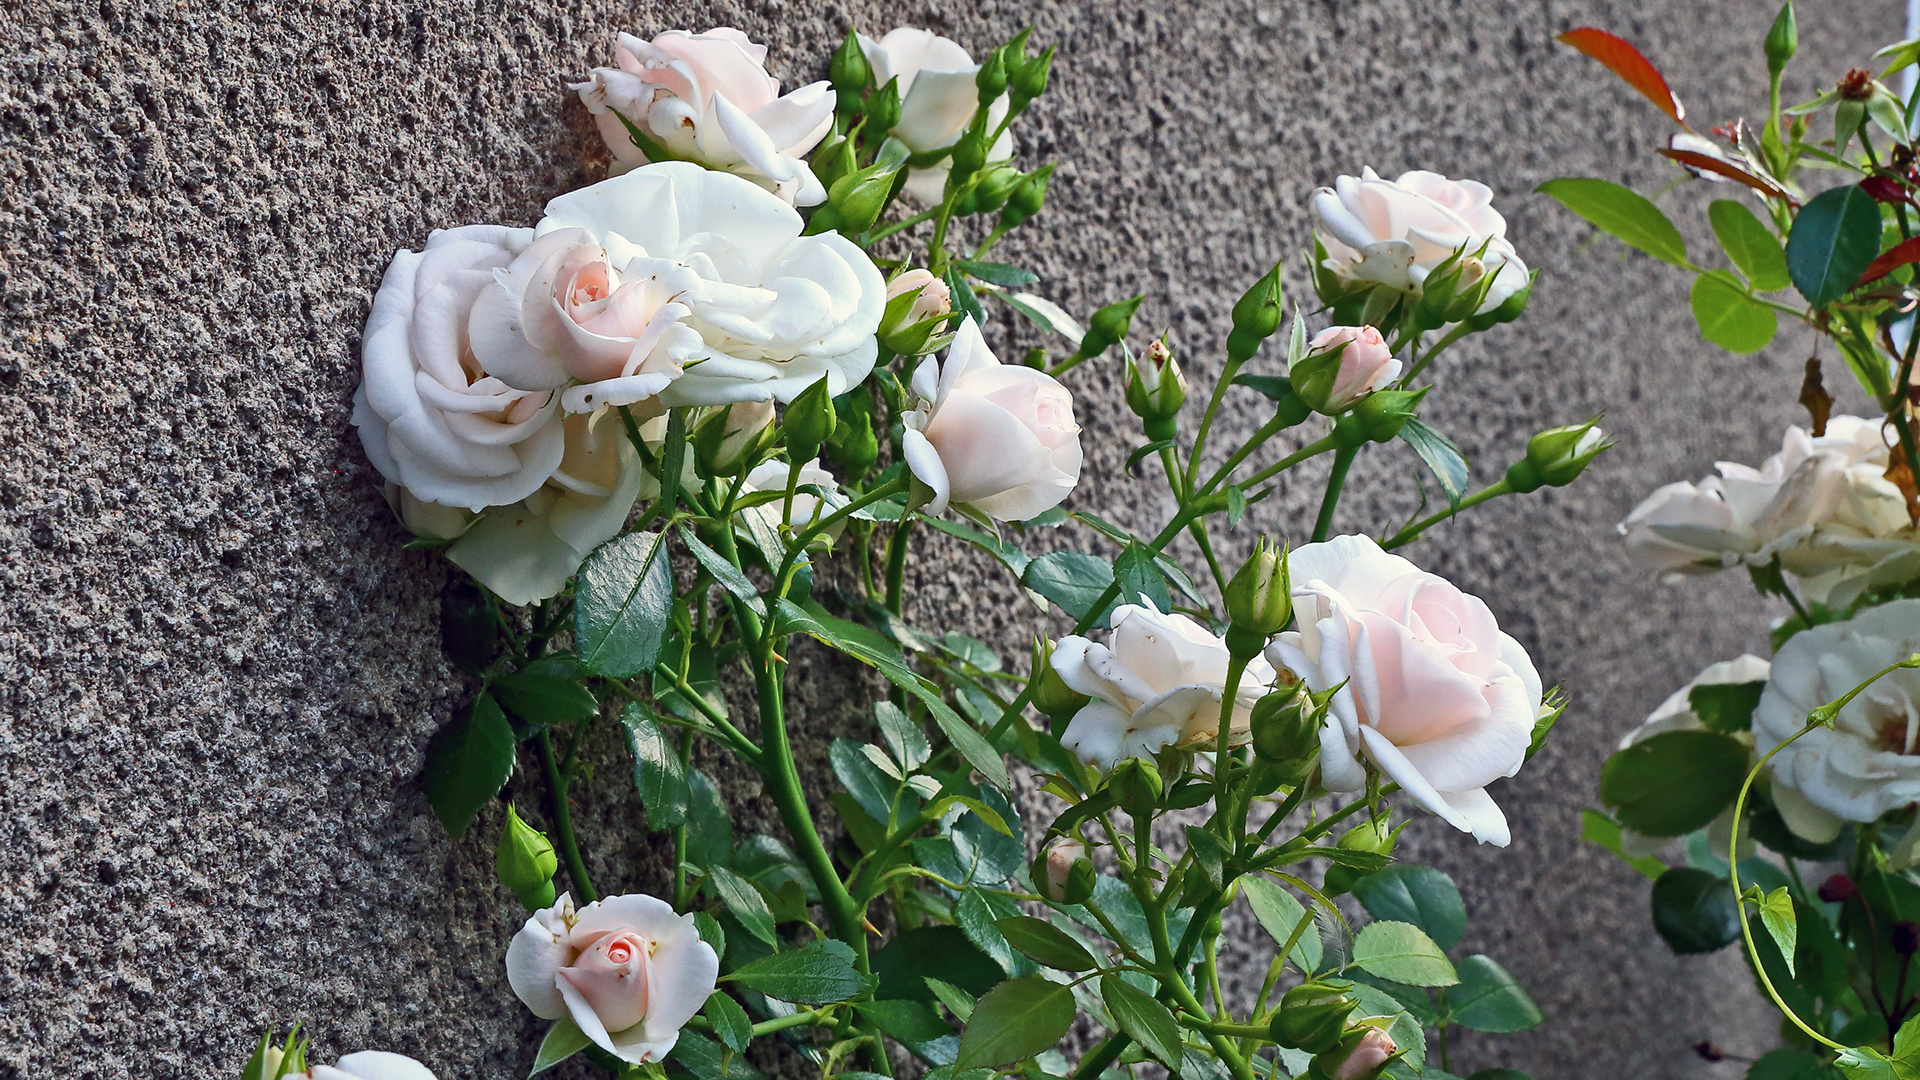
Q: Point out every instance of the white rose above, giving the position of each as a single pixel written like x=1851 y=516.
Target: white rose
x=1676 y=714
x=1000 y=439
x=774 y=310
x=1868 y=762
x=433 y=419
x=627 y=970
x=370 y=1065
x=1158 y=683
x=1430 y=689
x=937 y=100
x=772 y=476
x=526 y=551
x=708 y=98
x=1395 y=232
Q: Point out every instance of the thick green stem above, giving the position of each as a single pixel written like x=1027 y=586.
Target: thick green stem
x=563 y=821
x=1342 y=460
x=897 y=563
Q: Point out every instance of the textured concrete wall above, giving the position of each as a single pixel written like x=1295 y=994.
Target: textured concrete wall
x=217 y=667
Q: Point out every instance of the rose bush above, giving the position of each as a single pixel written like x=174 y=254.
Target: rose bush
x=1395 y=232
x=1430 y=689
x=626 y=969
x=708 y=98
x=937 y=99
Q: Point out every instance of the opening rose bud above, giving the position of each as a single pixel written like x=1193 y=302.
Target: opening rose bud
x=1258 y=605
x=1051 y=694
x=1367 y=1057
x=728 y=441
x=916 y=303
x=1065 y=876
x=1557 y=457
x=1156 y=389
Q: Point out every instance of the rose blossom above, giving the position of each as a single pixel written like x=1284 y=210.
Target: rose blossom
x=1676 y=714
x=365 y=1065
x=626 y=969
x=1430 y=689
x=1395 y=232
x=1374 y=1050
x=772 y=476
x=937 y=100
x=931 y=295
x=1366 y=363
x=708 y=98
x=1868 y=762
x=433 y=419
x=998 y=438
x=672 y=248
x=1157 y=683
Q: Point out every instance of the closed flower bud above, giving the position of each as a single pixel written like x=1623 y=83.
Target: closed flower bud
x=1383 y=414
x=1783 y=40
x=1373 y=837
x=729 y=441
x=1029 y=80
x=1156 y=388
x=854 y=445
x=1256 y=315
x=969 y=156
x=1026 y=198
x=1556 y=457
x=1507 y=310
x=859 y=197
x=810 y=420
x=525 y=862
x=1313 y=1016
x=1285 y=733
x=991 y=79
x=833 y=160
x=1837 y=889
x=1051 y=694
x=1258 y=603
x=883 y=110
x=1065 y=876
x=992 y=190
x=1109 y=326
x=849 y=71
x=1136 y=787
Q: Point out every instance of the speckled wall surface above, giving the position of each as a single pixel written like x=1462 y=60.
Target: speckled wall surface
x=218 y=667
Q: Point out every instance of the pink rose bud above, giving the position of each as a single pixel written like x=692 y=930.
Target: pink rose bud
x=611 y=974
x=1372 y=1052
x=1060 y=859
x=931 y=295
x=1366 y=364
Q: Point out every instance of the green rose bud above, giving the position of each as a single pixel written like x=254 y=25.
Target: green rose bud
x=996 y=184
x=833 y=160
x=969 y=155
x=1256 y=315
x=1783 y=40
x=1509 y=309
x=849 y=71
x=1136 y=787
x=525 y=862
x=853 y=443
x=1066 y=875
x=991 y=79
x=1384 y=412
x=883 y=111
x=810 y=420
x=917 y=305
x=1026 y=198
x=857 y=200
x=1258 y=603
x=732 y=440
x=1109 y=326
x=1286 y=733
x=1156 y=389
x=1051 y=694
x=1560 y=455
x=1376 y=837
x=1030 y=80
x=270 y=1062
x=1313 y=1016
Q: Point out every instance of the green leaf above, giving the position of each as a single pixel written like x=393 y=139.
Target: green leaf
x=1726 y=707
x=903 y=737
x=1488 y=999
x=730 y=1021
x=564 y=1039
x=1834 y=238
x=1598 y=828
x=546 y=692
x=1137 y=1013
x=1788 y=1065
x=622 y=605
x=658 y=774
x=1045 y=943
x=467 y=762
x=1419 y=895
x=1280 y=914
x=1139 y=579
x=1727 y=316
x=1403 y=953
x=706 y=1060
x=974 y=914
x=1622 y=213
x=730 y=577
x=710 y=932
x=1071 y=579
x=1015 y=1021
x=1694 y=911
x=1441 y=455
x=746 y=903
x=1750 y=245
x=964 y=300
x=914 y=1024
x=904 y=964
x=1171 y=568
x=814 y=974
x=1866 y=1063
x=1675 y=782
x=957 y=1001
x=1045 y=314
x=1776 y=914
x=995 y=273
x=709 y=826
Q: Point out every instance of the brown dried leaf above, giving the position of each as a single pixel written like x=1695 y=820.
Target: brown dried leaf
x=1901 y=477
x=1813 y=394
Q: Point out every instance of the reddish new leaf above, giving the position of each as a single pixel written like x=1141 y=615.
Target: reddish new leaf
x=1895 y=257
x=1625 y=61
x=1708 y=163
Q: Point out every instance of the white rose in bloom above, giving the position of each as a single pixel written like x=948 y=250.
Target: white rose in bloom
x=1868 y=762
x=1395 y=232
x=1366 y=363
x=1000 y=439
x=626 y=969
x=368 y=1065
x=432 y=417
x=1434 y=693
x=708 y=98
x=1676 y=714
x=526 y=551
x=937 y=100
x=692 y=250
x=772 y=476
x=1158 y=683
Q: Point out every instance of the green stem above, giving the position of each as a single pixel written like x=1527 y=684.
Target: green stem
x=563 y=821
x=1342 y=460
x=782 y=1023
x=1236 y=667
x=1267 y=431
x=897 y=562
x=800 y=542
x=885 y=231
x=1460 y=330
x=1412 y=532
x=1313 y=449
x=1213 y=409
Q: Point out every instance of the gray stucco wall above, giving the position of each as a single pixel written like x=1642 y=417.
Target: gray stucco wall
x=218 y=668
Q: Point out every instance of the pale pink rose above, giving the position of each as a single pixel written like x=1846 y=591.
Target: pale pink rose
x=1366 y=363
x=997 y=438
x=626 y=969
x=1430 y=689
x=708 y=98
x=1060 y=859
x=938 y=98
x=370 y=1065
x=1394 y=232
x=932 y=295
x=1374 y=1050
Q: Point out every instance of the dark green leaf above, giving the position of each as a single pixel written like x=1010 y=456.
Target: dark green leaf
x=730 y=1021
x=944 y=952
x=709 y=826
x=469 y=635
x=1727 y=316
x=622 y=605
x=1146 y=450
x=1788 y=1065
x=546 y=692
x=706 y=1060
x=1401 y=952
x=1834 y=238
x=1045 y=943
x=1015 y=1021
x=745 y=902
x=1419 y=895
x=862 y=779
x=904 y=738
x=1750 y=244
x=1273 y=387
x=563 y=1040
x=1726 y=707
x=1139 y=579
x=730 y=577
x=913 y=1024
x=1621 y=213
x=467 y=762
x=964 y=301
x=1441 y=455
x=1139 y=1015
x=1488 y=999
x=658 y=774
x=1603 y=830
x=1770 y=829
x=1694 y=911
x=974 y=913
x=1071 y=579
x=994 y=273
x=1169 y=567
x=1208 y=853
x=711 y=933
x=1675 y=782
x=813 y=974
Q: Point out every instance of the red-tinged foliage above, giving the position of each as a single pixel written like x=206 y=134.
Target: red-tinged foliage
x=1625 y=61
x=1709 y=163
x=1895 y=257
